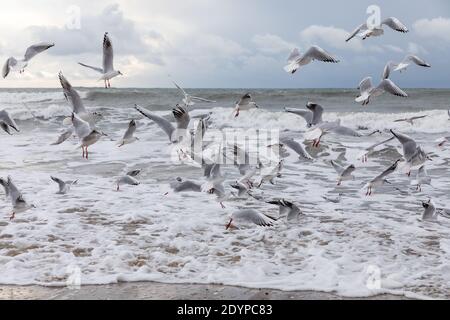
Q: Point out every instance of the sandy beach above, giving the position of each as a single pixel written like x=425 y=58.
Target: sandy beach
x=161 y=291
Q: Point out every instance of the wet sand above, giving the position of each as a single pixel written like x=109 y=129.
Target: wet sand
x=161 y=291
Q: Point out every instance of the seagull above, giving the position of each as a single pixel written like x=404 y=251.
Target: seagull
x=179 y=185
x=287 y=208
x=413 y=154
x=181 y=117
x=251 y=216
x=214 y=184
x=333 y=200
x=85 y=133
x=411 y=119
x=297 y=147
x=441 y=141
x=245 y=184
x=244 y=103
x=381 y=178
x=7 y=122
x=364 y=157
x=188 y=99
x=367 y=90
x=66 y=134
x=20 y=64
x=317 y=132
x=345 y=173
x=448 y=113
x=129 y=178
x=64 y=186
x=430 y=213
x=270 y=173
x=402 y=66
x=107 y=70
x=313 y=116
x=365 y=32
x=296 y=60
x=71 y=95
x=18 y=203
x=422 y=178
x=129 y=137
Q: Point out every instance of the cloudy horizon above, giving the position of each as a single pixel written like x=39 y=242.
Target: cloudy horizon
x=203 y=44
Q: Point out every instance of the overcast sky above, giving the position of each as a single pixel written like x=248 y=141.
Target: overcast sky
x=205 y=43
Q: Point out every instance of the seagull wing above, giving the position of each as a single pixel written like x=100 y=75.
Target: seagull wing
x=395 y=24
x=108 y=54
x=10 y=62
x=294 y=55
x=6 y=118
x=36 y=48
x=91 y=67
x=60 y=183
x=409 y=145
x=130 y=130
x=165 y=125
x=390 y=87
x=339 y=169
x=317 y=53
x=71 y=95
x=358 y=29
x=63 y=137
x=298 y=148
x=305 y=114
x=181 y=117
x=418 y=61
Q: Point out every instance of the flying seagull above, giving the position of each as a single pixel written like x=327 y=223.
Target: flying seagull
x=411 y=119
x=107 y=70
x=129 y=178
x=312 y=116
x=367 y=90
x=244 y=103
x=129 y=137
x=189 y=99
x=64 y=186
x=20 y=64
x=402 y=66
x=344 y=173
x=287 y=208
x=364 y=31
x=297 y=60
x=381 y=178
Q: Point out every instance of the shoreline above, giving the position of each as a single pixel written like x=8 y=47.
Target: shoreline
x=163 y=291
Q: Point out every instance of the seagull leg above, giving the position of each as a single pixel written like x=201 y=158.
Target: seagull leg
x=87 y=153
x=106 y=87
x=221 y=204
x=13 y=215
x=82 y=148
x=118 y=188
x=109 y=84
x=237 y=113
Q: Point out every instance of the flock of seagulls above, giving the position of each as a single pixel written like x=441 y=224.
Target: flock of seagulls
x=82 y=123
